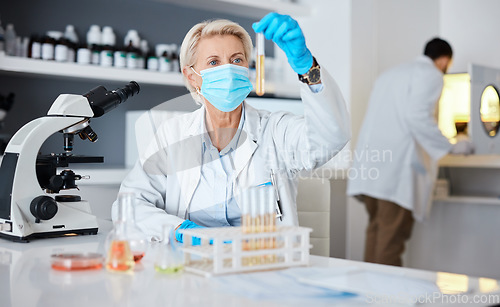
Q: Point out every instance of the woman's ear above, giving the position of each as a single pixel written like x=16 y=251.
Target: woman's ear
x=190 y=76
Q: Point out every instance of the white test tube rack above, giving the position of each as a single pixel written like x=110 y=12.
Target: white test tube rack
x=214 y=257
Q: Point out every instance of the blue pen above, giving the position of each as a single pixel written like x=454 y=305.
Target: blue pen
x=273 y=183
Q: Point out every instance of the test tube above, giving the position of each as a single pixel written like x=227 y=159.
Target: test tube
x=246 y=222
x=259 y=64
x=263 y=201
x=248 y=200
x=266 y=198
x=246 y=219
x=254 y=209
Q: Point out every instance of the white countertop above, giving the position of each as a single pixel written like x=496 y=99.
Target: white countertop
x=28 y=280
x=471 y=161
x=115 y=175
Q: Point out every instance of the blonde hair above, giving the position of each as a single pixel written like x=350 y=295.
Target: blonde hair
x=188 y=52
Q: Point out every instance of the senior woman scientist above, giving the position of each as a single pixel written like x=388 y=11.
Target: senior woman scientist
x=227 y=145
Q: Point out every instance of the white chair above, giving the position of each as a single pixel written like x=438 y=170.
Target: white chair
x=313 y=206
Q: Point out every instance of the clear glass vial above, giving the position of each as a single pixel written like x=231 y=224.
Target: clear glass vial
x=169 y=258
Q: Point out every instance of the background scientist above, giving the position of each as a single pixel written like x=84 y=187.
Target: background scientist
x=400 y=122
x=197 y=163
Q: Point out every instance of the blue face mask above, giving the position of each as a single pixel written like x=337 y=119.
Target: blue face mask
x=225 y=86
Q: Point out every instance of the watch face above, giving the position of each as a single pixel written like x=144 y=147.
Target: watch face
x=314 y=75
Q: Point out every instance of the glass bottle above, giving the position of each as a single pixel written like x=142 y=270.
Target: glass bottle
x=107 y=51
x=23 y=46
x=72 y=37
x=48 y=48
x=119 y=257
x=132 y=43
x=70 y=34
x=152 y=61
x=10 y=40
x=174 y=58
x=120 y=58
x=83 y=54
x=35 y=47
x=2 y=37
x=169 y=258
x=164 y=63
x=132 y=55
x=94 y=43
x=144 y=49
x=61 y=50
x=133 y=241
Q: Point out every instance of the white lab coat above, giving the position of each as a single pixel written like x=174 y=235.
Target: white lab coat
x=399 y=144
x=168 y=171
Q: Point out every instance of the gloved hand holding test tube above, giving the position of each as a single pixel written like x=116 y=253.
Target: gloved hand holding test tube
x=259 y=65
x=286 y=33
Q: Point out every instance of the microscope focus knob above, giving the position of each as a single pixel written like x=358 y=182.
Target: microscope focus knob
x=55 y=183
x=43 y=207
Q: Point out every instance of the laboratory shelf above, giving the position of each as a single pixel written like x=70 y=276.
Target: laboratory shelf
x=471 y=161
x=474 y=200
x=29 y=66
x=246 y=8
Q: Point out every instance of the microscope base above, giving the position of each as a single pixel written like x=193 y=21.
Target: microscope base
x=27 y=239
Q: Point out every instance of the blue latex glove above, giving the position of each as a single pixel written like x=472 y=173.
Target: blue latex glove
x=185 y=225
x=286 y=33
x=189 y=224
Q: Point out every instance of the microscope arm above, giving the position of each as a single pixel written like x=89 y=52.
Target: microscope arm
x=23 y=151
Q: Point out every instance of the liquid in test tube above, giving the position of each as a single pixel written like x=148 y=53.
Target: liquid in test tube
x=259 y=65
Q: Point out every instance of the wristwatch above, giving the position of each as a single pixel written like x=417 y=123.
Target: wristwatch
x=313 y=76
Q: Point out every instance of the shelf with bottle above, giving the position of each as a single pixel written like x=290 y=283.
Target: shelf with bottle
x=59 y=54
x=28 y=66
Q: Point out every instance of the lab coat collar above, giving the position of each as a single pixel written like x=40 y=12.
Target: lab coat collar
x=233 y=144
x=425 y=59
x=251 y=125
x=193 y=127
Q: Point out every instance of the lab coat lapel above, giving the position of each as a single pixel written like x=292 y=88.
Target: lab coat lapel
x=247 y=144
x=189 y=156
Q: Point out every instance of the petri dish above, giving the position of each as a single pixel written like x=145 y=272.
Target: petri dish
x=77 y=261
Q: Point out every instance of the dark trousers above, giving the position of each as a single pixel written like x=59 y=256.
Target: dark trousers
x=389 y=227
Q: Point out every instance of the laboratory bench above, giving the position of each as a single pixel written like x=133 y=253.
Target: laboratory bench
x=27 y=279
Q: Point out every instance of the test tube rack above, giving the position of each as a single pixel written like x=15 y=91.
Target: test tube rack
x=222 y=250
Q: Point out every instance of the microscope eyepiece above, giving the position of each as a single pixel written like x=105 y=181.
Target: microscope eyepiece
x=102 y=101
x=128 y=91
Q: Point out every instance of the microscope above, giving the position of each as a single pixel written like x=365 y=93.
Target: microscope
x=28 y=180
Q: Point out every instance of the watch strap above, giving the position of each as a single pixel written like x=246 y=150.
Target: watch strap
x=305 y=77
